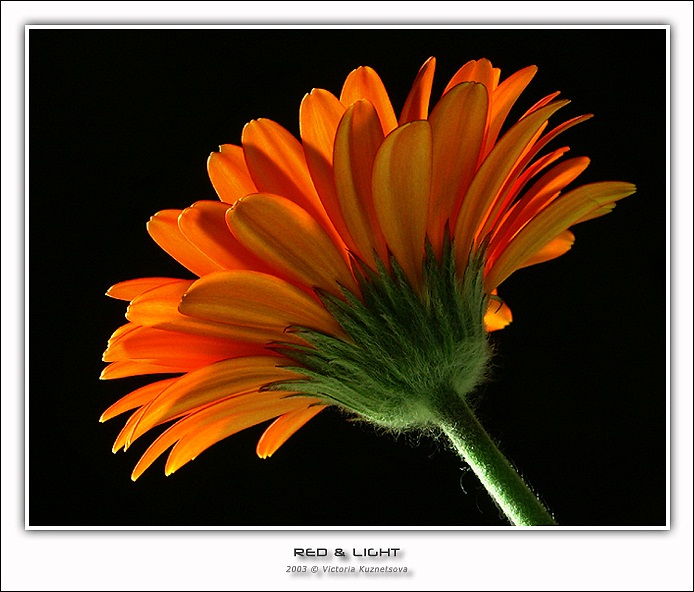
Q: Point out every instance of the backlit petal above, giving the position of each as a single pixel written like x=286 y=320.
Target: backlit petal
x=237 y=413
x=233 y=417
x=319 y=116
x=255 y=300
x=211 y=384
x=461 y=113
x=289 y=238
x=498 y=315
x=552 y=221
x=283 y=428
x=159 y=308
x=163 y=228
x=137 y=398
x=553 y=249
x=476 y=71
x=166 y=348
x=131 y=289
x=417 y=102
x=364 y=83
x=204 y=225
x=358 y=138
x=126 y=368
x=503 y=99
x=491 y=177
x=229 y=173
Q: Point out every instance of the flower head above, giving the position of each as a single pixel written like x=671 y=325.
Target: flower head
x=357 y=267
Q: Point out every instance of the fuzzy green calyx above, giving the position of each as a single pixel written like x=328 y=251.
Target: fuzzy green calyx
x=407 y=352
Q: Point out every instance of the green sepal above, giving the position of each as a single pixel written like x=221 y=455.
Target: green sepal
x=405 y=349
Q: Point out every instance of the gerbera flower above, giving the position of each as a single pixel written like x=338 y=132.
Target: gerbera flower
x=357 y=268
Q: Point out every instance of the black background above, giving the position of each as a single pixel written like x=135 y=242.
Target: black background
x=121 y=124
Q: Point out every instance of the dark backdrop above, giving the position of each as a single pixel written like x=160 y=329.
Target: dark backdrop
x=121 y=124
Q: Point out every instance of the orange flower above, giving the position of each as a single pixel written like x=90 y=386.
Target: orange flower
x=332 y=268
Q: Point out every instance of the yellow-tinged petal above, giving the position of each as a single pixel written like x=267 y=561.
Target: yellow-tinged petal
x=283 y=428
x=597 y=213
x=491 y=177
x=289 y=238
x=417 y=102
x=401 y=188
x=211 y=384
x=159 y=308
x=552 y=221
x=358 y=138
x=553 y=249
x=137 y=398
x=498 y=315
x=458 y=126
x=163 y=228
x=229 y=173
x=256 y=300
x=364 y=83
x=541 y=194
x=131 y=289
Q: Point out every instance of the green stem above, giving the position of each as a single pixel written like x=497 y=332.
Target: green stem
x=504 y=484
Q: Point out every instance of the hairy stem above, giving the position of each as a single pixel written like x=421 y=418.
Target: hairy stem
x=521 y=506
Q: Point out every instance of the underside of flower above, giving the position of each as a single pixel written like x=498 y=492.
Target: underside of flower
x=357 y=268
x=404 y=351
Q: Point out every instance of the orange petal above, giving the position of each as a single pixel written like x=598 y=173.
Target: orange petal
x=121 y=332
x=534 y=169
x=417 y=102
x=283 y=428
x=123 y=439
x=401 y=187
x=319 y=116
x=163 y=228
x=256 y=300
x=131 y=289
x=137 y=398
x=491 y=177
x=229 y=174
x=231 y=420
x=498 y=315
x=364 y=83
x=503 y=99
x=542 y=193
x=211 y=384
x=159 y=308
x=553 y=249
x=290 y=239
x=476 y=71
x=204 y=225
x=358 y=138
x=552 y=221
x=126 y=368
x=461 y=113
x=237 y=412
x=165 y=348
